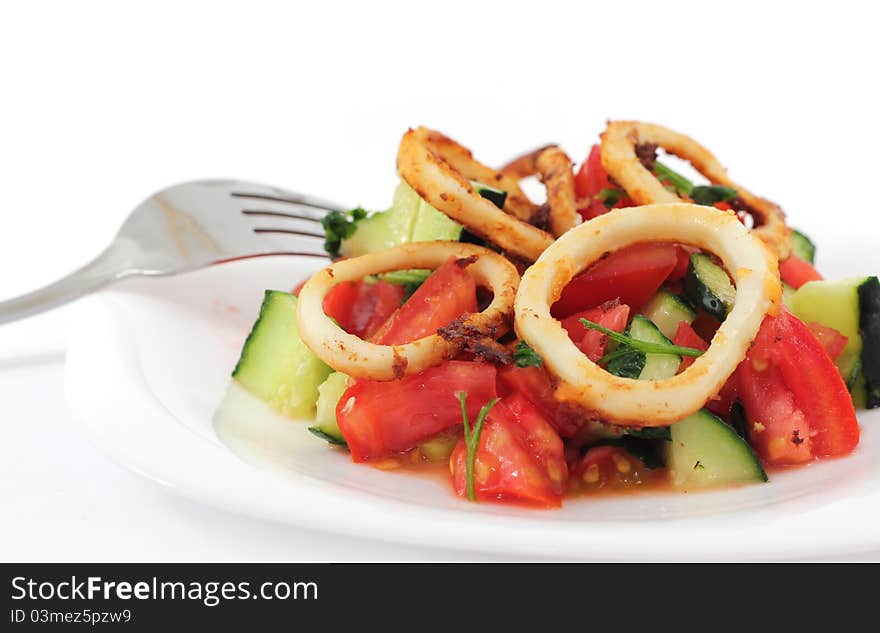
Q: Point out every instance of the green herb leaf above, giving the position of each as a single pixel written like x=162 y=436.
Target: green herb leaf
x=682 y=185
x=472 y=440
x=525 y=356
x=610 y=197
x=641 y=346
x=709 y=195
x=338 y=226
x=409 y=279
x=645 y=450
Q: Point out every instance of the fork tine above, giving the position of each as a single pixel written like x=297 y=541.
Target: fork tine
x=280 y=214
x=290 y=232
x=296 y=199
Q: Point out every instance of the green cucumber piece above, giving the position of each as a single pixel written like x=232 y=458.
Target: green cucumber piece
x=787 y=294
x=869 y=326
x=705 y=451
x=708 y=286
x=329 y=392
x=636 y=364
x=496 y=196
x=802 y=246
x=667 y=310
x=275 y=364
x=835 y=304
x=410 y=219
x=439 y=449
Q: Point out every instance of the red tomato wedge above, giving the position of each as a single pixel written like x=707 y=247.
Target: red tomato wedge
x=796 y=402
x=590 y=179
x=444 y=296
x=534 y=383
x=591 y=342
x=686 y=337
x=683 y=255
x=361 y=307
x=796 y=272
x=519 y=457
x=632 y=275
x=833 y=341
x=379 y=419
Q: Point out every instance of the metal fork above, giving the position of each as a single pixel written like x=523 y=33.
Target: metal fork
x=190 y=226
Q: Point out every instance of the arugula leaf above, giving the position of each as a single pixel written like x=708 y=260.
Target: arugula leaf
x=651 y=433
x=624 y=362
x=682 y=185
x=641 y=346
x=610 y=197
x=340 y=225
x=525 y=356
x=737 y=418
x=472 y=439
x=708 y=195
x=409 y=279
x=496 y=196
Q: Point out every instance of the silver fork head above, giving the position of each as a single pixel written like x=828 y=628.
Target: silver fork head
x=195 y=224
x=189 y=226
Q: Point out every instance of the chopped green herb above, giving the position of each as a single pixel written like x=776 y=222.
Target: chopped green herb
x=525 y=356
x=682 y=185
x=472 y=440
x=643 y=449
x=737 y=418
x=641 y=346
x=409 y=279
x=610 y=197
x=708 y=195
x=340 y=225
x=651 y=433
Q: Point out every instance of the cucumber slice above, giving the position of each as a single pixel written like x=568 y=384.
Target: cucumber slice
x=645 y=366
x=439 y=448
x=708 y=286
x=836 y=304
x=869 y=325
x=325 y=419
x=496 y=196
x=667 y=310
x=410 y=219
x=802 y=246
x=275 y=365
x=787 y=294
x=705 y=451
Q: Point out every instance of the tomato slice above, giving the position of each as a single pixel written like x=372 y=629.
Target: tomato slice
x=361 y=307
x=833 y=341
x=535 y=384
x=795 y=399
x=378 y=419
x=519 y=457
x=592 y=343
x=632 y=275
x=683 y=259
x=796 y=272
x=444 y=296
x=590 y=179
x=687 y=337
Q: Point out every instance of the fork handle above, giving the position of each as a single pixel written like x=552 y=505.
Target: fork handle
x=112 y=264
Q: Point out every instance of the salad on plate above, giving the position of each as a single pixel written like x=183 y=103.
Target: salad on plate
x=636 y=330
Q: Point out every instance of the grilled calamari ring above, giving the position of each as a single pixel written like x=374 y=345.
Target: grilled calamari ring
x=619 y=159
x=554 y=168
x=359 y=358
x=659 y=402
x=439 y=170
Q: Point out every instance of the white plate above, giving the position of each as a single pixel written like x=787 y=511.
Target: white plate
x=148 y=365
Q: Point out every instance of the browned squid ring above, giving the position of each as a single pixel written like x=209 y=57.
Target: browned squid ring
x=359 y=358
x=554 y=168
x=440 y=171
x=619 y=159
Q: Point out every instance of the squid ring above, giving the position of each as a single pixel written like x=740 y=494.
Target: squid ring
x=619 y=159
x=554 y=168
x=439 y=170
x=659 y=402
x=361 y=359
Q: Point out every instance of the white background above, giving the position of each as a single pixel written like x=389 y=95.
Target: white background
x=101 y=103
